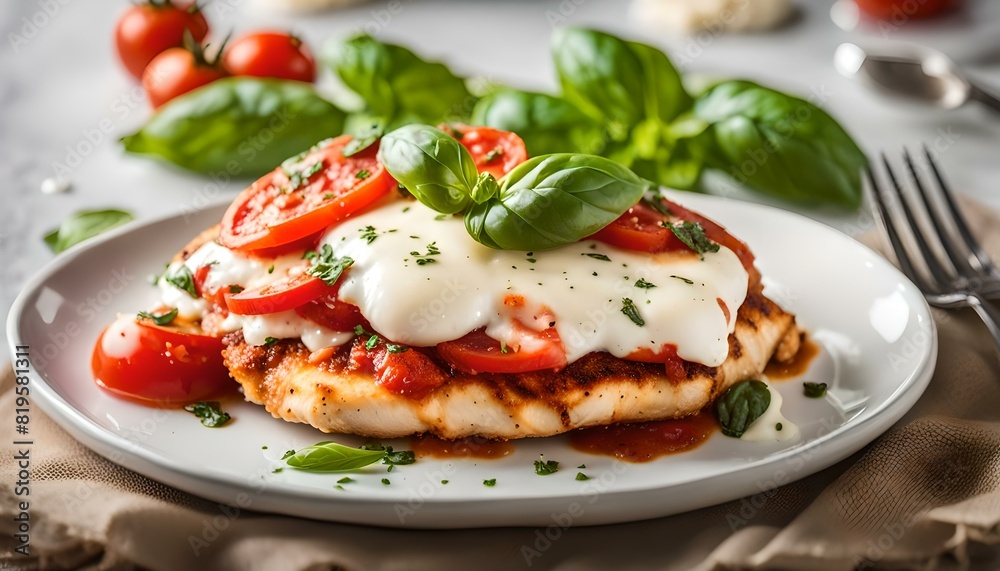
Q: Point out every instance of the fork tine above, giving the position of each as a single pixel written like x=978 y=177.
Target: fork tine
x=958 y=259
x=937 y=271
x=956 y=214
x=882 y=209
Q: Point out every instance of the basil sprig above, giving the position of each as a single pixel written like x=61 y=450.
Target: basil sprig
x=742 y=404
x=210 y=413
x=543 y=203
x=433 y=166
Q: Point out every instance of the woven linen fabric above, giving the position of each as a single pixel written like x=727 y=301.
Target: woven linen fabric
x=924 y=496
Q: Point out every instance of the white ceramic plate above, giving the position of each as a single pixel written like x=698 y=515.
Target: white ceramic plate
x=879 y=349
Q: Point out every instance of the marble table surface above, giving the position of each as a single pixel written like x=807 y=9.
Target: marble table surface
x=64 y=98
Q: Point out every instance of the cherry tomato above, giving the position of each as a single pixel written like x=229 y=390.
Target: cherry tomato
x=271 y=54
x=145 y=30
x=283 y=295
x=278 y=209
x=176 y=72
x=495 y=151
x=479 y=353
x=904 y=9
x=170 y=365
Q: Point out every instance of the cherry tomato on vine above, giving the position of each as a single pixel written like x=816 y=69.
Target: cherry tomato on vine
x=271 y=54
x=147 y=29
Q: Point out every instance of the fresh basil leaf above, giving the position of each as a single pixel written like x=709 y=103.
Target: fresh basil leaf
x=396 y=84
x=664 y=97
x=433 y=166
x=601 y=76
x=327 y=267
x=332 y=457
x=243 y=126
x=814 y=390
x=742 y=404
x=84 y=225
x=546 y=123
x=781 y=145
x=182 y=278
x=693 y=236
x=210 y=413
x=553 y=200
x=162 y=319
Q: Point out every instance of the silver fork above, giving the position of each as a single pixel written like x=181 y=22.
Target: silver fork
x=949 y=266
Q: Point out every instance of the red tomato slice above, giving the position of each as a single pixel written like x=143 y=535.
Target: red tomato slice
x=496 y=152
x=276 y=209
x=641 y=229
x=282 y=295
x=332 y=313
x=479 y=353
x=169 y=365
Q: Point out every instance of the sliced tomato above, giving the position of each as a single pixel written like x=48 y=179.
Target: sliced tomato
x=330 y=312
x=477 y=352
x=283 y=295
x=667 y=355
x=163 y=364
x=496 y=152
x=282 y=207
x=640 y=228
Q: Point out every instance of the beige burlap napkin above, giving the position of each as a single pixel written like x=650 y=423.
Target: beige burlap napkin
x=924 y=496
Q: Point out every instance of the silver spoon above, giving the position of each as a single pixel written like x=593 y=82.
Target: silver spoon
x=915 y=72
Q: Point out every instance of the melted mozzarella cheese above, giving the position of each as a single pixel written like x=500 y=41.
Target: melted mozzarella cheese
x=423 y=280
x=412 y=295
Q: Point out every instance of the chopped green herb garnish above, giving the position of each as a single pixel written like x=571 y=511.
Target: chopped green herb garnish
x=693 y=236
x=325 y=266
x=685 y=280
x=581 y=476
x=235 y=289
x=338 y=487
x=162 y=319
x=368 y=234
x=424 y=259
x=632 y=312
x=778 y=427
x=814 y=390
x=545 y=467
x=385 y=481
x=288 y=454
x=345 y=480
x=183 y=279
x=445 y=482
x=372 y=342
x=268 y=341
x=277 y=470
x=270 y=270
x=264 y=447
x=641 y=283
x=442 y=216
x=582 y=467
x=398 y=457
x=657 y=205
x=298 y=178
x=393 y=348
x=601 y=257
x=363 y=174
x=503 y=348
x=328 y=196
x=209 y=412
x=490 y=483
